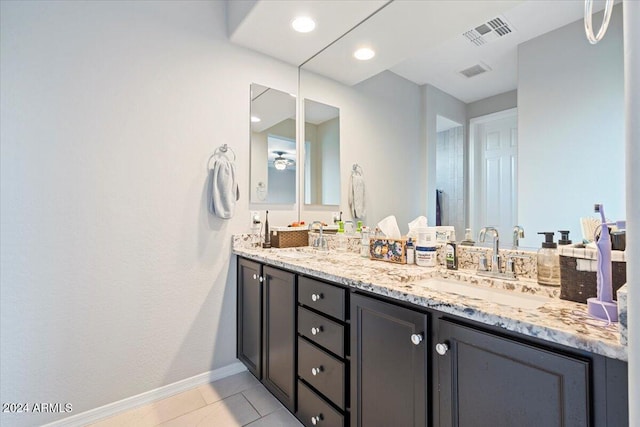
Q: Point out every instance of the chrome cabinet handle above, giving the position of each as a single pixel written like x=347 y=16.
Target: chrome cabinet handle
x=316 y=371
x=255 y=276
x=316 y=297
x=416 y=339
x=316 y=331
x=442 y=348
x=261 y=279
x=315 y=420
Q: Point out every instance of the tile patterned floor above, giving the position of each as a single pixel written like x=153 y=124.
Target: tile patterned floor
x=235 y=401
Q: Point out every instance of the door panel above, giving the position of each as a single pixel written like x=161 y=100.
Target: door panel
x=279 y=334
x=389 y=372
x=249 y=316
x=486 y=380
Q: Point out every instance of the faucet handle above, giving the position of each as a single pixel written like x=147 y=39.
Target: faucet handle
x=511 y=264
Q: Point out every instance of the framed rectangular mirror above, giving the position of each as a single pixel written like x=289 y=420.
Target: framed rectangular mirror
x=272 y=146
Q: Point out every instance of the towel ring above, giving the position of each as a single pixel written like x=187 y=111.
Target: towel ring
x=588 y=20
x=222 y=150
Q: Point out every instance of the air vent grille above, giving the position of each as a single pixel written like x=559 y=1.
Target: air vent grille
x=489 y=31
x=475 y=70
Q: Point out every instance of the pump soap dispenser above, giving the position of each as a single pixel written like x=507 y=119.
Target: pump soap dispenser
x=548 y=261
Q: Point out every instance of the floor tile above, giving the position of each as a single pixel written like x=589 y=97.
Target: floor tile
x=234 y=411
x=279 y=418
x=228 y=386
x=157 y=412
x=262 y=400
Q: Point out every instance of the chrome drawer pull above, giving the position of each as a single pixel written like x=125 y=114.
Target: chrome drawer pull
x=255 y=277
x=316 y=371
x=316 y=297
x=316 y=331
x=416 y=338
x=442 y=348
x=315 y=420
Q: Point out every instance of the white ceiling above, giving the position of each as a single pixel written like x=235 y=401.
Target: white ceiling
x=420 y=40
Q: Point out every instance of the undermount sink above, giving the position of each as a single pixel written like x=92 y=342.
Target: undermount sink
x=295 y=255
x=499 y=296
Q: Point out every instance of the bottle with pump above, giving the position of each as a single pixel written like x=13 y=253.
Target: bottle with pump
x=364 y=242
x=548 y=261
x=341 y=238
x=564 y=238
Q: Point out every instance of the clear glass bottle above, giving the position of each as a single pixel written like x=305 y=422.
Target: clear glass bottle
x=548 y=261
x=364 y=242
x=341 y=238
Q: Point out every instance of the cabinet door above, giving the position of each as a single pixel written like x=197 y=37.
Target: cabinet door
x=486 y=380
x=249 y=316
x=388 y=370
x=279 y=342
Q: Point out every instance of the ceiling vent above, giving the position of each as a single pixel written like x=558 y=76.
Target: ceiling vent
x=475 y=70
x=489 y=31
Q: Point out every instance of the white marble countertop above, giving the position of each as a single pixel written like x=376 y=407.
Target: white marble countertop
x=557 y=321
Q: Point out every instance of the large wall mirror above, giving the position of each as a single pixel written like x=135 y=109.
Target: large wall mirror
x=321 y=154
x=273 y=146
x=407 y=113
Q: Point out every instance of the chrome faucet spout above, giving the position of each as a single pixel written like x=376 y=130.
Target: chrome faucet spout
x=321 y=242
x=495 y=258
x=518 y=233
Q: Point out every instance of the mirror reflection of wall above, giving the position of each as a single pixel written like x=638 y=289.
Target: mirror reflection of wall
x=450 y=175
x=569 y=106
x=273 y=146
x=322 y=154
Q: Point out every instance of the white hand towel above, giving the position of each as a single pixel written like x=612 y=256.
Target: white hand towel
x=356 y=195
x=224 y=188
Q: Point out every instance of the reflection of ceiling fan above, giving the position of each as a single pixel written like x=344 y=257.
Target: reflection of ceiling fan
x=280 y=162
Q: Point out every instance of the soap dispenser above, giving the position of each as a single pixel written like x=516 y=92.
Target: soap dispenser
x=341 y=238
x=548 y=261
x=564 y=238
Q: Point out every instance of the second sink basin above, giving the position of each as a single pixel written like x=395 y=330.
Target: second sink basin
x=499 y=296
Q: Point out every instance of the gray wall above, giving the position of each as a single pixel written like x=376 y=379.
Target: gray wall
x=115 y=278
x=570 y=128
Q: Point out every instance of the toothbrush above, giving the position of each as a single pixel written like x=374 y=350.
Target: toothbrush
x=603 y=306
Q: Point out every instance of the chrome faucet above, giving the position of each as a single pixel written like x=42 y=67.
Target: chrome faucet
x=495 y=258
x=319 y=243
x=518 y=233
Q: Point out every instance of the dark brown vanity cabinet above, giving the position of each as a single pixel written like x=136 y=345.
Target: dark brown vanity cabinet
x=389 y=364
x=488 y=380
x=267 y=328
x=322 y=353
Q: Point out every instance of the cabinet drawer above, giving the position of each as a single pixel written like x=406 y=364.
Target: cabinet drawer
x=311 y=406
x=321 y=296
x=322 y=371
x=321 y=330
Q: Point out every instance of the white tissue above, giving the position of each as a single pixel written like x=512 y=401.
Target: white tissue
x=417 y=224
x=389 y=226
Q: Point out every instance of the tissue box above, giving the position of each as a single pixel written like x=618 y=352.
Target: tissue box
x=390 y=250
x=578 y=272
x=289 y=237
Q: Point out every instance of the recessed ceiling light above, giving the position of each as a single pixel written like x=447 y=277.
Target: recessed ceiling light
x=303 y=24
x=364 y=53
x=255 y=119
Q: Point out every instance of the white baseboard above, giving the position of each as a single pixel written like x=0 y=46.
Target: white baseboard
x=111 y=409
